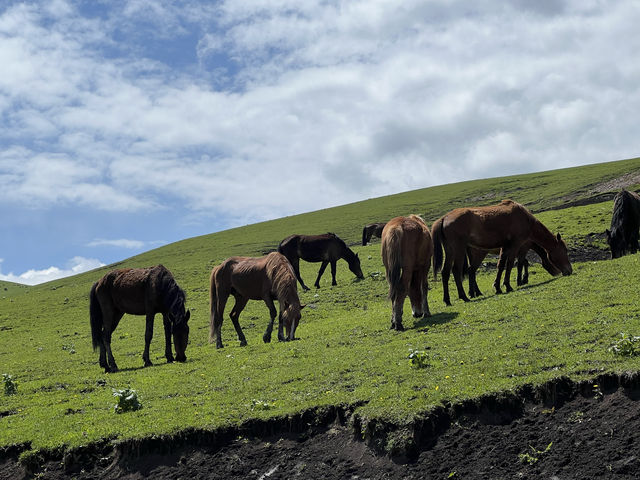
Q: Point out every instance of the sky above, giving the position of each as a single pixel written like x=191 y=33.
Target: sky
x=130 y=124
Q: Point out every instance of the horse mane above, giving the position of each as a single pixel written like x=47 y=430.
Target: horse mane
x=621 y=206
x=172 y=294
x=283 y=278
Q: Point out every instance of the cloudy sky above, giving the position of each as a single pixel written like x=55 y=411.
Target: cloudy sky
x=129 y=124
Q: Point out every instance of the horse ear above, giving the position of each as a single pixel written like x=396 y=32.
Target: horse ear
x=302 y=306
x=558 y=237
x=187 y=316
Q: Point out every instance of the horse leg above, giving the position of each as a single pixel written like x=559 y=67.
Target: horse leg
x=446 y=273
x=320 y=272
x=148 y=335
x=295 y=263
x=333 y=272
x=218 y=316
x=266 y=338
x=507 y=273
x=457 y=275
x=168 y=352
x=501 y=264
x=396 y=311
x=108 y=328
x=241 y=302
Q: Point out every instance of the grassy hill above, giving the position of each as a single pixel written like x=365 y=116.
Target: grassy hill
x=346 y=354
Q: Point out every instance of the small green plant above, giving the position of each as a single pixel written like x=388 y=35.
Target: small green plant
x=418 y=359
x=627 y=346
x=576 y=417
x=10 y=385
x=260 y=405
x=127 y=400
x=531 y=459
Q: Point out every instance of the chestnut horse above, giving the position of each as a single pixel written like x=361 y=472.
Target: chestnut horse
x=266 y=278
x=625 y=222
x=406 y=253
x=138 y=291
x=476 y=256
x=327 y=248
x=506 y=226
x=371 y=230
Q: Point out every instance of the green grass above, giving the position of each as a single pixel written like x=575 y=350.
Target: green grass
x=346 y=353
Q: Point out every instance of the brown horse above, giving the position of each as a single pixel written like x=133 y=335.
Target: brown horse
x=138 y=291
x=372 y=230
x=406 y=254
x=476 y=256
x=267 y=278
x=327 y=248
x=506 y=226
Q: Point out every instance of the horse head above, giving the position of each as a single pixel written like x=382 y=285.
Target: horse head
x=354 y=265
x=290 y=316
x=179 y=319
x=559 y=257
x=615 y=239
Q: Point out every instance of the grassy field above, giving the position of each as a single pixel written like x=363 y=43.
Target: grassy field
x=346 y=353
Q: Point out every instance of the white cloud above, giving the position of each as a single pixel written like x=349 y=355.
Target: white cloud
x=324 y=102
x=33 y=277
x=120 y=243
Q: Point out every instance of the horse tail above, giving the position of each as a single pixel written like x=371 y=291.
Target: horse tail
x=392 y=252
x=364 y=236
x=95 y=316
x=213 y=301
x=438 y=238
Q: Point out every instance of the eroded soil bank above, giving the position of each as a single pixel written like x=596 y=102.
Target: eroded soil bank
x=562 y=430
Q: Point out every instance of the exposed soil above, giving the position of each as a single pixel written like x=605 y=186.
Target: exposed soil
x=562 y=430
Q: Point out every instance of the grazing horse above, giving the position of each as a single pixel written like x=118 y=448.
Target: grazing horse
x=406 y=253
x=327 y=248
x=371 y=230
x=266 y=278
x=625 y=222
x=138 y=291
x=506 y=226
x=476 y=256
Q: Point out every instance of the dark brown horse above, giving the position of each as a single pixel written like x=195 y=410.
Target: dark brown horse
x=371 y=230
x=266 y=278
x=138 y=291
x=406 y=254
x=507 y=226
x=476 y=256
x=625 y=223
x=327 y=248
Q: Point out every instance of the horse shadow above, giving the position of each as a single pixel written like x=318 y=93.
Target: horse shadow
x=516 y=289
x=435 y=319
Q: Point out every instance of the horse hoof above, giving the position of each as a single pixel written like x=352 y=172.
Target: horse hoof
x=266 y=339
x=243 y=343
x=399 y=327
x=219 y=345
x=170 y=359
x=148 y=363
x=426 y=315
x=305 y=288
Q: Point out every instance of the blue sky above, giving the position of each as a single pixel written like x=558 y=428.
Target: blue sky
x=126 y=125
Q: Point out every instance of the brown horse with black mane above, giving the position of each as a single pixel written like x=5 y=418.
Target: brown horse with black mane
x=476 y=256
x=327 y=248
x=625 y=223
x=406 y=254
x=507 y=226
x=138 y=291
x=372 y=230
x=266 y=278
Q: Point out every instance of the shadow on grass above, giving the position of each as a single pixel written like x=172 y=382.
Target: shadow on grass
x=529 y=286
x=436 y=319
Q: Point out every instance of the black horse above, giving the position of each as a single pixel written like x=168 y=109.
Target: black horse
x=327 y=248
x=371 y=230
x=138 y=291
x=625 y=222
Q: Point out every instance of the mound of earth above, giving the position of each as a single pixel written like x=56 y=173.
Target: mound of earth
x=561 y=430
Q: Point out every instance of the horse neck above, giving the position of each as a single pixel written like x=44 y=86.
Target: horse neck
x=346 y=253
x=543 y=236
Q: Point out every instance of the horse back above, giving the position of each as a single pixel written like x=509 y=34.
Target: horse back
x=129 y=290
x=245 y=276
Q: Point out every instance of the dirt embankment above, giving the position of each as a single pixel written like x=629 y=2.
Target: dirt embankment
x=562 y=430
